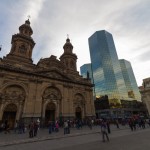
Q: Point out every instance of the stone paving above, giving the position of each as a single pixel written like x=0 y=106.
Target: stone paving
x=120 y=139
x=14 y=138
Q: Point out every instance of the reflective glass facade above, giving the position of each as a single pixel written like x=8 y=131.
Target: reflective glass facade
x=86 y=68
x=107 y=74
x=129 y=78
x=83 y=71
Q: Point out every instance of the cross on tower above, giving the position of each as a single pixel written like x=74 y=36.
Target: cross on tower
x=67 y=36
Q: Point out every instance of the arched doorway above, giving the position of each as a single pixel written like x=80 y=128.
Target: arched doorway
x=78 y=113
x=9 y=114
x=51 y=106
x=50 y=113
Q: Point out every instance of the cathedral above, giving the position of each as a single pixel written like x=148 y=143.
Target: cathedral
x=52 y=89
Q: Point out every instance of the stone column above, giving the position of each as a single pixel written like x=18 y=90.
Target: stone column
x=57 y=110
x=19 y=112
x=1 y=111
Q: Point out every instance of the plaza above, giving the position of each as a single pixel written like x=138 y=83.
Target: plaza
x=84 y=138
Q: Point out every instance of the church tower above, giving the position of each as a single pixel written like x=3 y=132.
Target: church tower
x=68 y=58
x=22 y=45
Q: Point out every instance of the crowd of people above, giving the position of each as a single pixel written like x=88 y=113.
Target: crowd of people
x=32 y=128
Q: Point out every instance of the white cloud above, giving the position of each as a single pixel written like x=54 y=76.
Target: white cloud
x=52 y=20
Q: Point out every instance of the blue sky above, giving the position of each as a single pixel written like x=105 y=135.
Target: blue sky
x=51 y=20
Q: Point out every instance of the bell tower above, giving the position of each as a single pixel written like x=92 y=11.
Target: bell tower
x=68 y=58
x=22 y=45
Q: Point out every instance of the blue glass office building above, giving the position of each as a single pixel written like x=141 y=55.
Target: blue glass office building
x=107 y=74
x=130 y=81
x=86 y=68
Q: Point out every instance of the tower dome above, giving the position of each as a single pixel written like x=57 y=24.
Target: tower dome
x=68 y=46
x=25 y=29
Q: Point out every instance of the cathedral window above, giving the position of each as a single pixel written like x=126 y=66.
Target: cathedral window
x=22 y=49
x=72 y=64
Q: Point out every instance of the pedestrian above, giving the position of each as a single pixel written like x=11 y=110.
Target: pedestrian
x=31 y=129
x=50 y=125
x=131 y=124
x=108 y=126
x=117 y=123
x=69 y=126
x=16 y=126
x=65 y=127
x=104 y=131
x=38 y=123
x=6 y=127
x=2 y=126
x=90 y=123
x=35 y=128
x=56 y=126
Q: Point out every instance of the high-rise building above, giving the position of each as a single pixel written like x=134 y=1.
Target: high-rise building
x=129 y=78
x=86 y=71
x=107 y=74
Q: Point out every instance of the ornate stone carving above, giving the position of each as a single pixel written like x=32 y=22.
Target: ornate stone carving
x=50 y=106
x=51 y=93
x=1 y=97
x=22 y=49
x=79 y=101
x=54 y=75
x=51 y=62
x=11 y=108
x=13 y=94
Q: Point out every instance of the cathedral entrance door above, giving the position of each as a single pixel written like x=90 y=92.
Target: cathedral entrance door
x=78 y=113
x=50 y=113
x=9 y=114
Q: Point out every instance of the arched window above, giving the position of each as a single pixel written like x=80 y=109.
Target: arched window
x=22 y=49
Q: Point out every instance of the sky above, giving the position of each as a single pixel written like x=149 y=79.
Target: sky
x=51 y=20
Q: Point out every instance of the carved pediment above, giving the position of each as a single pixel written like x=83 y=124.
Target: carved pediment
x=51 y=62
x=79 y=100
x=51 y=94
x=53 y=73
x=13 y=93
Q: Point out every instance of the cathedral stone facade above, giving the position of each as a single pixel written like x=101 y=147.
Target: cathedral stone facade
x=145 y=92
x=52 y=89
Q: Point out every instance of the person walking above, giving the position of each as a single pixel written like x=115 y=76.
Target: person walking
x=65 y=127
x=108 y=126
x=31 y=129
x=16 y=126
x=104 y=131
x=50 y=126
x=56 y=126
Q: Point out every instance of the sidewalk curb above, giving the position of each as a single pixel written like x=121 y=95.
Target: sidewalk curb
x=40 y=139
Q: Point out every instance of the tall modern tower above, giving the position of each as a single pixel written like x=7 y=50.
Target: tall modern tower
x=107 y=74
x=129 y=78
x=85 y=70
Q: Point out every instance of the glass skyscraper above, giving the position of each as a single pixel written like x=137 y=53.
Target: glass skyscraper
x=129 y=78
x=86 y=68
x=107 y=74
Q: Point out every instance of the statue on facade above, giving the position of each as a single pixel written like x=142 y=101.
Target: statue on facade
x=88 y=75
